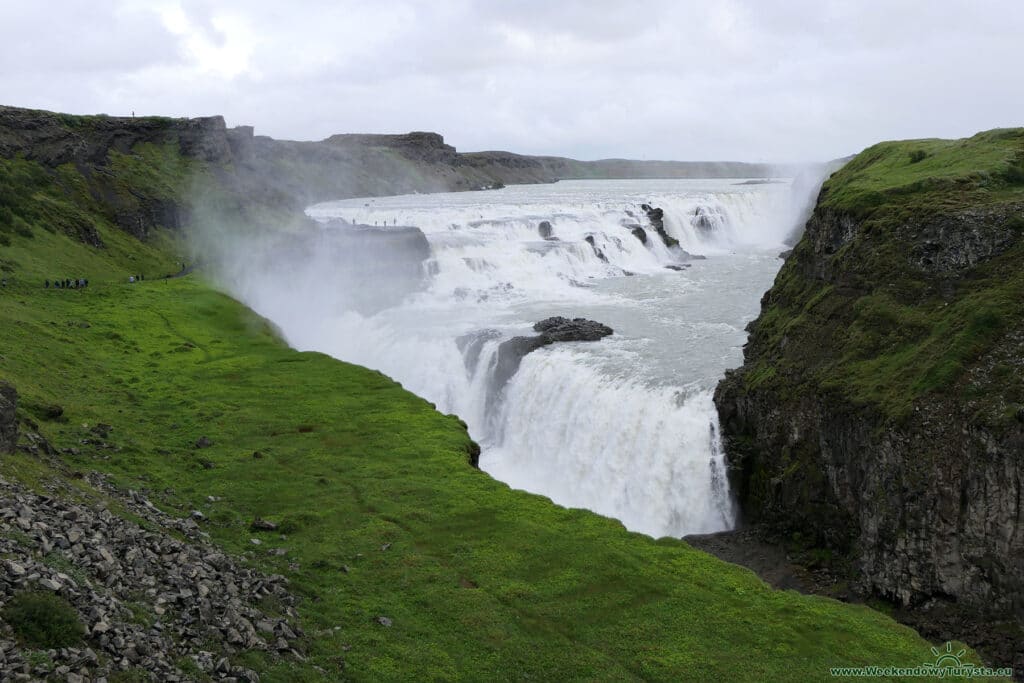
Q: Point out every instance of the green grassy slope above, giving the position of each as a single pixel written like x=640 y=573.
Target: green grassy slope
x=880 y=329
x=381 y=512
x=481 y=582
x=929 y=175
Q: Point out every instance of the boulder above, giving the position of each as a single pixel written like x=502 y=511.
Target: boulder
x=510 y=355
x=545 y=230
x=8 y=418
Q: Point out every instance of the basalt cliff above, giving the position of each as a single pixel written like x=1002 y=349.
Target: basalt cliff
x=878 y=418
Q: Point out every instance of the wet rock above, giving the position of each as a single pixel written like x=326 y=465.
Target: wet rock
x=507 y=360
x=545 y=230
x=472 y=344
x=657 y=218
x=558 y=328
x=555 y=329
x=704 y=219
x=597 y=250
x=639 y=233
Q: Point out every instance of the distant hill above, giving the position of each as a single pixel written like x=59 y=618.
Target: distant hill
x=341 y=166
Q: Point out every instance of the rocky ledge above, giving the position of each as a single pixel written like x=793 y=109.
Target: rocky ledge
x=556 y=329
x=510 y=352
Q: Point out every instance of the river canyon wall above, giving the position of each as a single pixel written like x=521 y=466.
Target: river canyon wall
x=879 y=412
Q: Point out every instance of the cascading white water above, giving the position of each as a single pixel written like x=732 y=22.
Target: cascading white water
x=642 y=454
x=624 y=426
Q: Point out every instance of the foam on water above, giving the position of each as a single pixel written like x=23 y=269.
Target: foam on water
x=625 y=426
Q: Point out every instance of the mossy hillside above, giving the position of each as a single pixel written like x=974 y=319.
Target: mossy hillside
x=881 y=331
x=53 y=226
x=385 y=517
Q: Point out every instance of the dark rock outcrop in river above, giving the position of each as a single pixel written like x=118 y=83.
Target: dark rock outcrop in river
x=657 y=218
x=589 y=239
x=556 y=329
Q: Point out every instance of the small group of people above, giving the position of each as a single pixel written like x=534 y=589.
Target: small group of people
x=68 y=283
x=136 y=278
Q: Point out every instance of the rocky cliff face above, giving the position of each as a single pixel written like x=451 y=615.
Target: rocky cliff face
x=879 y=412
x=928 y=509
x=53 y=139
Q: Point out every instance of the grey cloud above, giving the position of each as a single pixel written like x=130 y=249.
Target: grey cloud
x=736 y=79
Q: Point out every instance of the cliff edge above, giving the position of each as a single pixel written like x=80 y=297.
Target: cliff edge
x=879 y=412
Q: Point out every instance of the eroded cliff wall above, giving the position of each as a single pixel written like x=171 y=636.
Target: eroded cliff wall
x=879 y=411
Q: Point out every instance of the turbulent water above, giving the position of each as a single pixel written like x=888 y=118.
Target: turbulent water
x=624 y=426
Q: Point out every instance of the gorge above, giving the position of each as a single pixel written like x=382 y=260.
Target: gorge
x=876 y=415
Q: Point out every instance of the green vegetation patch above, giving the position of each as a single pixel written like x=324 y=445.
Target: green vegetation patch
x=928 y=174
x=43 y=620
x=883 y=330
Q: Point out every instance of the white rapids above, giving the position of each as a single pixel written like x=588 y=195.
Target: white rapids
x=624 y=426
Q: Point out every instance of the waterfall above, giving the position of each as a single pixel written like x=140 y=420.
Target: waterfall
x=625 y=426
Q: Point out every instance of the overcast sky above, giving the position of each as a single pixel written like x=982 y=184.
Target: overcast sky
x=754 y=80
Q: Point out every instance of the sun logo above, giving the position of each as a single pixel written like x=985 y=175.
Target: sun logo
x=946 y=659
